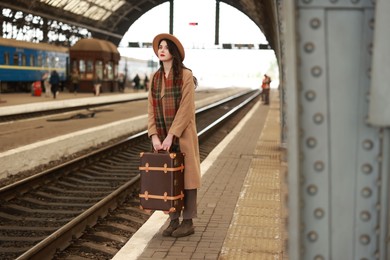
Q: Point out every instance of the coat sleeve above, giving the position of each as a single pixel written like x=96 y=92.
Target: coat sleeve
x=151 y=122
x=186 y=110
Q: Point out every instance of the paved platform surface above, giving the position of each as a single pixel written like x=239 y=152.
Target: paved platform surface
x=241 y=212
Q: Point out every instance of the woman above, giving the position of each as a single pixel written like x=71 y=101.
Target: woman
x=171 y=123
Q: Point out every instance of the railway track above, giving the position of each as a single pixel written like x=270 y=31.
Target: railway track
x=89 y=207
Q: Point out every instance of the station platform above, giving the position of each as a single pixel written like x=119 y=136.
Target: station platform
x=241 y=212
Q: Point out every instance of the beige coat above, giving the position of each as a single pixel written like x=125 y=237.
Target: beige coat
x=183 y=127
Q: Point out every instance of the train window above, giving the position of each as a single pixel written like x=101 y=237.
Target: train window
x=55 y=62
x=32 y=60
x=24 y=62
x=39 y=60
x=109 y=70
x=99 y=69
x=16 y=59
x=6 y=58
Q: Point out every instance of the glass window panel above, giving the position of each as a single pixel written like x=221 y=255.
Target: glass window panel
x=39 y=60
x=95 y=10
x=16 y=59
x=109 y=70
x=24 y=60
x=32 y=60
x=90 y=66
x=99 y=69
x=82 y=69
x=6 y=58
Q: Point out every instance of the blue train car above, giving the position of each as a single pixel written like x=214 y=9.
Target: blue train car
x=22 y=63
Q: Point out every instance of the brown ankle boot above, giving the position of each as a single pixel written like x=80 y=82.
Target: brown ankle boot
x=186 y=228
x=173 y=225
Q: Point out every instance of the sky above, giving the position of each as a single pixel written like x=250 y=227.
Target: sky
x=212 y=65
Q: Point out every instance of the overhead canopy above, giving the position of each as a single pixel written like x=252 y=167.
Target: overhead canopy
x=111 y=19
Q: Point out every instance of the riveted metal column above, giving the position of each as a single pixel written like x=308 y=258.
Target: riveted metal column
x=315 y=134
x=340 y=152
x=217 y=11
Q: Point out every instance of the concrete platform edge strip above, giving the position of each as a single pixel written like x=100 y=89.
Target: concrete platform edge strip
x=68 y=103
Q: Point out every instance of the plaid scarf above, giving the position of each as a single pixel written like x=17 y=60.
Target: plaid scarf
x=164 y=116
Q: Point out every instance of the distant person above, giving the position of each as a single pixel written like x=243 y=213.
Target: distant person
x=75 y=78
x=265 y=89
x=55 y=83
x=137 y=82
x=46 y=84
x=146 y=82
x=171 y=124
x=121 y=82
x=97 y=84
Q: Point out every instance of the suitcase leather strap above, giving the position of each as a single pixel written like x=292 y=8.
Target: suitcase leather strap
x=165 y=169
x=165 y=197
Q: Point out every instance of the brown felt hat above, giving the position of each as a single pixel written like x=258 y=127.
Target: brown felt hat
x=168 y=36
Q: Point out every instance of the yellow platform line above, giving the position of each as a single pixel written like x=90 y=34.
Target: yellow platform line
x=257 y=230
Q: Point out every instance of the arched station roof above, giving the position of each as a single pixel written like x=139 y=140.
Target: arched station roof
x=110 y=19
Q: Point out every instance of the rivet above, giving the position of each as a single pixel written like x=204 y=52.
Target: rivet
x=318 y=118
x=319 y=257
x=355 y=1
x=370 y=48
x=312 y=236
x=315 y=23
x=371 y=23
x=316 y=71
x=319 y=213
x=306 y=1
x=365 y=215
x=311 y=142
x=366 y=168
x=309 y=47
x=310 y=95
x=333 y=1
x=319 y=166
x=368 y=144
x=366 y=192
x=312 y=189
x=364 y=239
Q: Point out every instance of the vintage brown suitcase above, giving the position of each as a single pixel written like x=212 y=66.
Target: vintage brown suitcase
x=162 y=181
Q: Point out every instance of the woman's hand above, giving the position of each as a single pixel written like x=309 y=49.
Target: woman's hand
x=156 y=143
x=167 y=143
